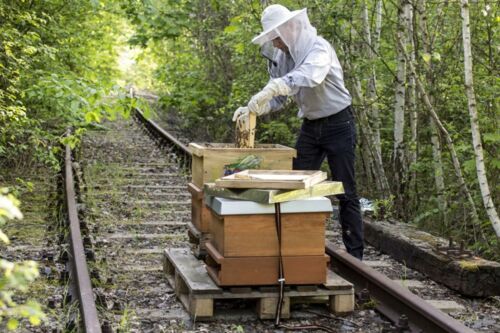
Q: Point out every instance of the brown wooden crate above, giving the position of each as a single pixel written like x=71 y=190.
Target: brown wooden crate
x=200 y=213
x=209 y=159
x=303 y=234
x=244 y=271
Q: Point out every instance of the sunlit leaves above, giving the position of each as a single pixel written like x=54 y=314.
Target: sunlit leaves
x=15 y=277
x=57 y=63
x=427 y=57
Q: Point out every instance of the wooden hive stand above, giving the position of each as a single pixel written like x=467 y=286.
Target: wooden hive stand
x=197 y=291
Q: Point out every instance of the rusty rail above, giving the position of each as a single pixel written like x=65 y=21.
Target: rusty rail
x=181 y=150
x=391 y=299
x=80 y=271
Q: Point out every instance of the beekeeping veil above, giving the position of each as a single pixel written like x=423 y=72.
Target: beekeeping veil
x=294 y=29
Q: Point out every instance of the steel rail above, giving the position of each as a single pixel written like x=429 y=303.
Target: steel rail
x=161 y=133
x=391 y=299
x=77 y=254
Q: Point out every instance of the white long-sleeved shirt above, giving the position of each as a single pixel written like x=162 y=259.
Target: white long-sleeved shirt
x=317 y=84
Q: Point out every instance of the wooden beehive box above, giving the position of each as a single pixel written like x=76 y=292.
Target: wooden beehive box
x=247 y=229
x=209 y=159
x=244 y=246
x=200 y=213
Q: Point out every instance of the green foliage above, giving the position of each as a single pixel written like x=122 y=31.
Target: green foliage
x=15 y=277
x=383 y=208
x=57 y=64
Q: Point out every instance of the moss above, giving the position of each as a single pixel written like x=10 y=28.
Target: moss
x=469 y=265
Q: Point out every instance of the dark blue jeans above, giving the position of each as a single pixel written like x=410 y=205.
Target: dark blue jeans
x=335 y=138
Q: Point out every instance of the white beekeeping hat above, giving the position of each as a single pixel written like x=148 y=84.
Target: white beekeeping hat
x=273 y=17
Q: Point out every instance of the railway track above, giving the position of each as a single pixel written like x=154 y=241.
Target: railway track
x=133 y=203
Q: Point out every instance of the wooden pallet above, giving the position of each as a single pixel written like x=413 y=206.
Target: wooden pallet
x=197 y=291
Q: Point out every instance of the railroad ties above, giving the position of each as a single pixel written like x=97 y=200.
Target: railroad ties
x=135 y=202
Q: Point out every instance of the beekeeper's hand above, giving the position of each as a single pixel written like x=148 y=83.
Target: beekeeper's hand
x=275 y=87
x=240 y=112
x=243 y=112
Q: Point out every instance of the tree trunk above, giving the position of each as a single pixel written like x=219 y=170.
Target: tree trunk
x=398 y=157
x=476 y=135
x=371 y=97
x=438 y=170
x=378 y=25
x=412 y=107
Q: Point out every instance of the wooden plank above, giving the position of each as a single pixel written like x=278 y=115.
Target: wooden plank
x=266 y=308
x=215 y=255
x=201 y=308
x=308 y=287
x=270 y=196
x=341 y=304
x=218 y=232
x=198 y=172
x=302 y=235
x=191 y=271
x=240 y=290
x=272 y=179
x=196 y=192
x=293 y=294
x=200 y=213
x=196 y=149
x=244 y=271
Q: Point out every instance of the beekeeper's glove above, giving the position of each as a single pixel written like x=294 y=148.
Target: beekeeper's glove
x=240 y=112
x=259 y=102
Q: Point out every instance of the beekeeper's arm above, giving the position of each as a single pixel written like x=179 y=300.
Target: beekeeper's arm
x=262 y=102
x=311 y=73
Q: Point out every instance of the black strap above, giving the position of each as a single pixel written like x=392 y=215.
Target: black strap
x=281 y=278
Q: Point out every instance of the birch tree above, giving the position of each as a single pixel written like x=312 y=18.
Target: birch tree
x=412 y=106
x=371 y=46
x=398 y=158
x=476 y=134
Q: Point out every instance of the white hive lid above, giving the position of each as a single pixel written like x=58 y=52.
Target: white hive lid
x=223 y=206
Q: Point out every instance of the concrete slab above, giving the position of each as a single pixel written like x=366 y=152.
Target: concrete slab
x=472 y=276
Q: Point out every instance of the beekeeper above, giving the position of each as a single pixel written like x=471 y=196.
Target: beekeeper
x=305 y=66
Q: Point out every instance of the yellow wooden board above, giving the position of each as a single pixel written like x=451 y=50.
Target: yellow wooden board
x=272 y=179
x=267 y=196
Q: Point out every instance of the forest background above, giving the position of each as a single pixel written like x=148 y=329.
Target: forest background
x=423 y=74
